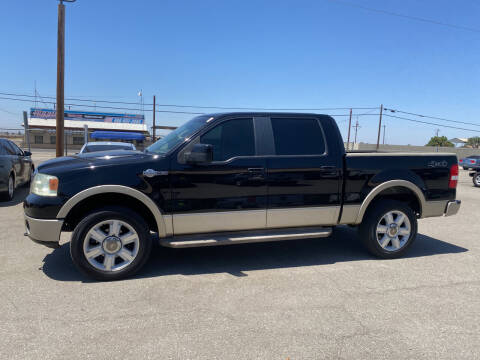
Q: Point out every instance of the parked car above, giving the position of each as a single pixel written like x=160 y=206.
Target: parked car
x=470 y=162
x=16 y=168
x=105 y=146
x=235 y=178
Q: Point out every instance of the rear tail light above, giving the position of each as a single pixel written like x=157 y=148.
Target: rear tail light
x=452 y=184
x=472 y=161
x=460 y=161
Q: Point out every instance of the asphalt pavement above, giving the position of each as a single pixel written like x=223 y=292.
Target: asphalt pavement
x=307 y=299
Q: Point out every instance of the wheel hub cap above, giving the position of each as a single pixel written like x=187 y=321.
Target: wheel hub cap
x=393 y=230
x=112 y=244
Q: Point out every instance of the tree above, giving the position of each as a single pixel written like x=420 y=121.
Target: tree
x=474 y=142
x=439 y=141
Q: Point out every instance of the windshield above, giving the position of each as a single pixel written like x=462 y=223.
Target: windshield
x=176 y=137
x=95 y=148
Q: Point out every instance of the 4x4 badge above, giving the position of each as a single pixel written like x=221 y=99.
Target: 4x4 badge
x=151 y=173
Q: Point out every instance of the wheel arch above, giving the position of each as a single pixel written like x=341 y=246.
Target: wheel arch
x=122 y=195
x=391 y=189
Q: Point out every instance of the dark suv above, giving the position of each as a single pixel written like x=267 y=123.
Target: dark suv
x=234 y=178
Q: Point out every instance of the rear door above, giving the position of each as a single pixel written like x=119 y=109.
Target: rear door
x=228 y=194
x=304 y=176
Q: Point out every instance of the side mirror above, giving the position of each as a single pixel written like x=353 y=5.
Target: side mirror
x=27 y=153
x=200 y=154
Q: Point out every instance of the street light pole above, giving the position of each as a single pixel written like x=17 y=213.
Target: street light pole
x=60 y=105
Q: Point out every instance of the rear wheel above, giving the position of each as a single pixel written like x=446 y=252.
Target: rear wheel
x=388 y=229
x=110 y=244
x=8 y=195
x=476 y=179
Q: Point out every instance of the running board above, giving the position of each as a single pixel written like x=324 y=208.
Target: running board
x=241 y=237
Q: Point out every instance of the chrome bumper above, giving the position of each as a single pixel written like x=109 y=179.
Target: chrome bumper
x=44 y=231
x=452 y=207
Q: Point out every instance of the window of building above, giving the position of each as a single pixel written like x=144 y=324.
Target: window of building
x=53 y=139
x=298 y=136
x=77 y=140
x=38 y=139
x=231 y=138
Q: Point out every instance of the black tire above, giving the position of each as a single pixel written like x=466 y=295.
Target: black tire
x=465 y=168
x=111 y=213
x=476 y=179
x=368 y=227
x=6 y=196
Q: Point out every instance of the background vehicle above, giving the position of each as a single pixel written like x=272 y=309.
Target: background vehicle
x=235 y=178
x=470 y=162
x=105 y=146
x=16 y=168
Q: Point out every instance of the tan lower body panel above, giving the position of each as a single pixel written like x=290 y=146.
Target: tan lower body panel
x=305 y=216
x=219 y=221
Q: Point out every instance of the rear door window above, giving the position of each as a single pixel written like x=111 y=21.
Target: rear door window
x=230 y=139
x=298 y=136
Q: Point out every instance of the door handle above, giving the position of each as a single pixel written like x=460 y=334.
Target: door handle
x=328 y=167
x=256 y=174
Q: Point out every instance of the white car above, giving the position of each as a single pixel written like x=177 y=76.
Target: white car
x=105 y=146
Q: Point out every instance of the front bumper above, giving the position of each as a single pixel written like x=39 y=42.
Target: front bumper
x=452 y=207
x=44 y=231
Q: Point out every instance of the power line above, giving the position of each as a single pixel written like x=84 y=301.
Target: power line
x=196 y=106
x=416 y=18
x=431 y=117
x=431 y=123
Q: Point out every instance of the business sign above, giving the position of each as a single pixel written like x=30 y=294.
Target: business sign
x=89 y=116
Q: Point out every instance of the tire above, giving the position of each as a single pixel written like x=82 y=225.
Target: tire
x=10 y=193
x=465 y=168
x=476 y=179
x=111 y=258
x=375 y=221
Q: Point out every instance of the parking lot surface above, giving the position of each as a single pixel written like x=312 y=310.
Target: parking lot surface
x=307 y=299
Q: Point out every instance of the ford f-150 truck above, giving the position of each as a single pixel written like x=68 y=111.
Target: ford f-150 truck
x=234 y=178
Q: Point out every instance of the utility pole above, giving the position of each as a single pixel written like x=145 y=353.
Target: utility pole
x=60 y=106
x=384 y=128
x=379 y=126
x=356 y=130
x=349 y=127
x=154 y=108
x=60 y=112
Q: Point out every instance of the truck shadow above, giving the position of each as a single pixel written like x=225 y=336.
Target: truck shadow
x=20 y=194
x=343 y=245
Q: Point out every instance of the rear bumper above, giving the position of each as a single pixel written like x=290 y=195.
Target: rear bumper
x=44 y=231
x=452 y=207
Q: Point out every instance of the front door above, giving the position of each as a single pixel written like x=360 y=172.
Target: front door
x=227 y=194
x=303 y=176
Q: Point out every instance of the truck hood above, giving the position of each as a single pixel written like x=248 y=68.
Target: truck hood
x=95 y=159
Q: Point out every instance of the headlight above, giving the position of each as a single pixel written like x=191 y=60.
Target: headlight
x=44 y=185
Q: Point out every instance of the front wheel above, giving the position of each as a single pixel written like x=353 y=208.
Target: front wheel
x=8 y=195
x=388 y=229
x=110 y=244
x=476 y=179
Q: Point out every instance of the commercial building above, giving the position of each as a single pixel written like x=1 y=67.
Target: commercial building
x=101 y=126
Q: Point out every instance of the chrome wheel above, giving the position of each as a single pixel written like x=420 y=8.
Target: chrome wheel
x=393 y=230
x=10 y=187
x=477 y=179
x=111 y=245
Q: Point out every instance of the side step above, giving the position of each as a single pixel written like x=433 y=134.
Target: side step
x=240 y=237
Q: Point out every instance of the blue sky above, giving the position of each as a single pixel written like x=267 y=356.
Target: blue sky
x=290 y=54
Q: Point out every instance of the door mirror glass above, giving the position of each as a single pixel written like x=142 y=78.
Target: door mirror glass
x=200 y=154
x=27 y=153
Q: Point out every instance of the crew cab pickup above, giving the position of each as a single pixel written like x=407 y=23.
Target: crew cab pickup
x=234 y=178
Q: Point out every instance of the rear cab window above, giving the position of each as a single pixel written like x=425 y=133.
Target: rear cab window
x=298 y=136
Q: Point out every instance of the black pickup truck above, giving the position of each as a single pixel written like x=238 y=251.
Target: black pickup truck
x=234 y=178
